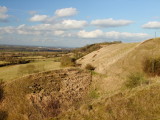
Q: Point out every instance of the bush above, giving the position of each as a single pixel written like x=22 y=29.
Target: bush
x=89 y=67
x=135 y=79
x=67 y=61
x=151 y=66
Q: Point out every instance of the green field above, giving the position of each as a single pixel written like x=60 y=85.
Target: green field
x=2 y=62
x=8 y=73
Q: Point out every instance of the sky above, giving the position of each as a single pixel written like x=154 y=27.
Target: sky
x=75 y=23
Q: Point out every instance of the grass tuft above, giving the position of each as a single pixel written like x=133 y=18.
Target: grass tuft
x=90 y=67
x=135 y=80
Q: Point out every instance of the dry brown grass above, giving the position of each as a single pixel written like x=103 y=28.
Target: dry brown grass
x=45 y=95
x=106 y=98
x=138 y=104
x=119 y=60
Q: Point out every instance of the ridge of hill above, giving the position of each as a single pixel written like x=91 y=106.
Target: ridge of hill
x=117 y=61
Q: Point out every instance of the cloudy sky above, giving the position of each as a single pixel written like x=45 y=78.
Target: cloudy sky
x=74 y=23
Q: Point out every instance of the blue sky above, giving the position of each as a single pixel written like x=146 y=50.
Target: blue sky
x=74 y=23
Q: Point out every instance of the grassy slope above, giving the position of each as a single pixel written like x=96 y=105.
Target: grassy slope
x=104 y=59
x=138 y=104
x=119 y=60
x=29 y=98
x=106 y=56
x=107 y=99
x=110 y=101
x=15 y=71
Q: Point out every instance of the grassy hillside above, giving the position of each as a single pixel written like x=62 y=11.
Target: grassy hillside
x=120 y=60
x=44 y=95
x=80 y=52
x=124 y=85
x=8 y=73
x=107 y=55
x=141 y=103
x=122 y=90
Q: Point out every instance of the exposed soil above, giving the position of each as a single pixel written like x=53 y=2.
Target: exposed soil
x=49 y=93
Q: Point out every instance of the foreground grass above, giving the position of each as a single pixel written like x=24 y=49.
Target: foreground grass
x=137 y=104
x=15 y=71
x=44 y=95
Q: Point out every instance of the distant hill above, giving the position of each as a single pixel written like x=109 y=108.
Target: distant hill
x=19 y=48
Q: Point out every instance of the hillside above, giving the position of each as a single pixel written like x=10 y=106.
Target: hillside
x=115 y=64
x=125 y=85
x=44 y=95
x=107 y=55
x=119 y=60
x=138 y=104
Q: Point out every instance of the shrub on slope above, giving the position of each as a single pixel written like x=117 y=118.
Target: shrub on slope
x=151 y=66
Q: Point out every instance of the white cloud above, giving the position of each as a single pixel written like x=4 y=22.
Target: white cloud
x=48 y=29
x=152 y=25
x=65 y=12
x=92 y=34
x=58 y=33
x=68 y=29
x=111 y=35
x=110 y=22
x=58 y=29
x=59 y=14
x=41 y=27
x=72 y=24
x=63 y=25
x=8 y=29
x=21 y=29
x=125 y=35
x=38 y=18
x=3 y=15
